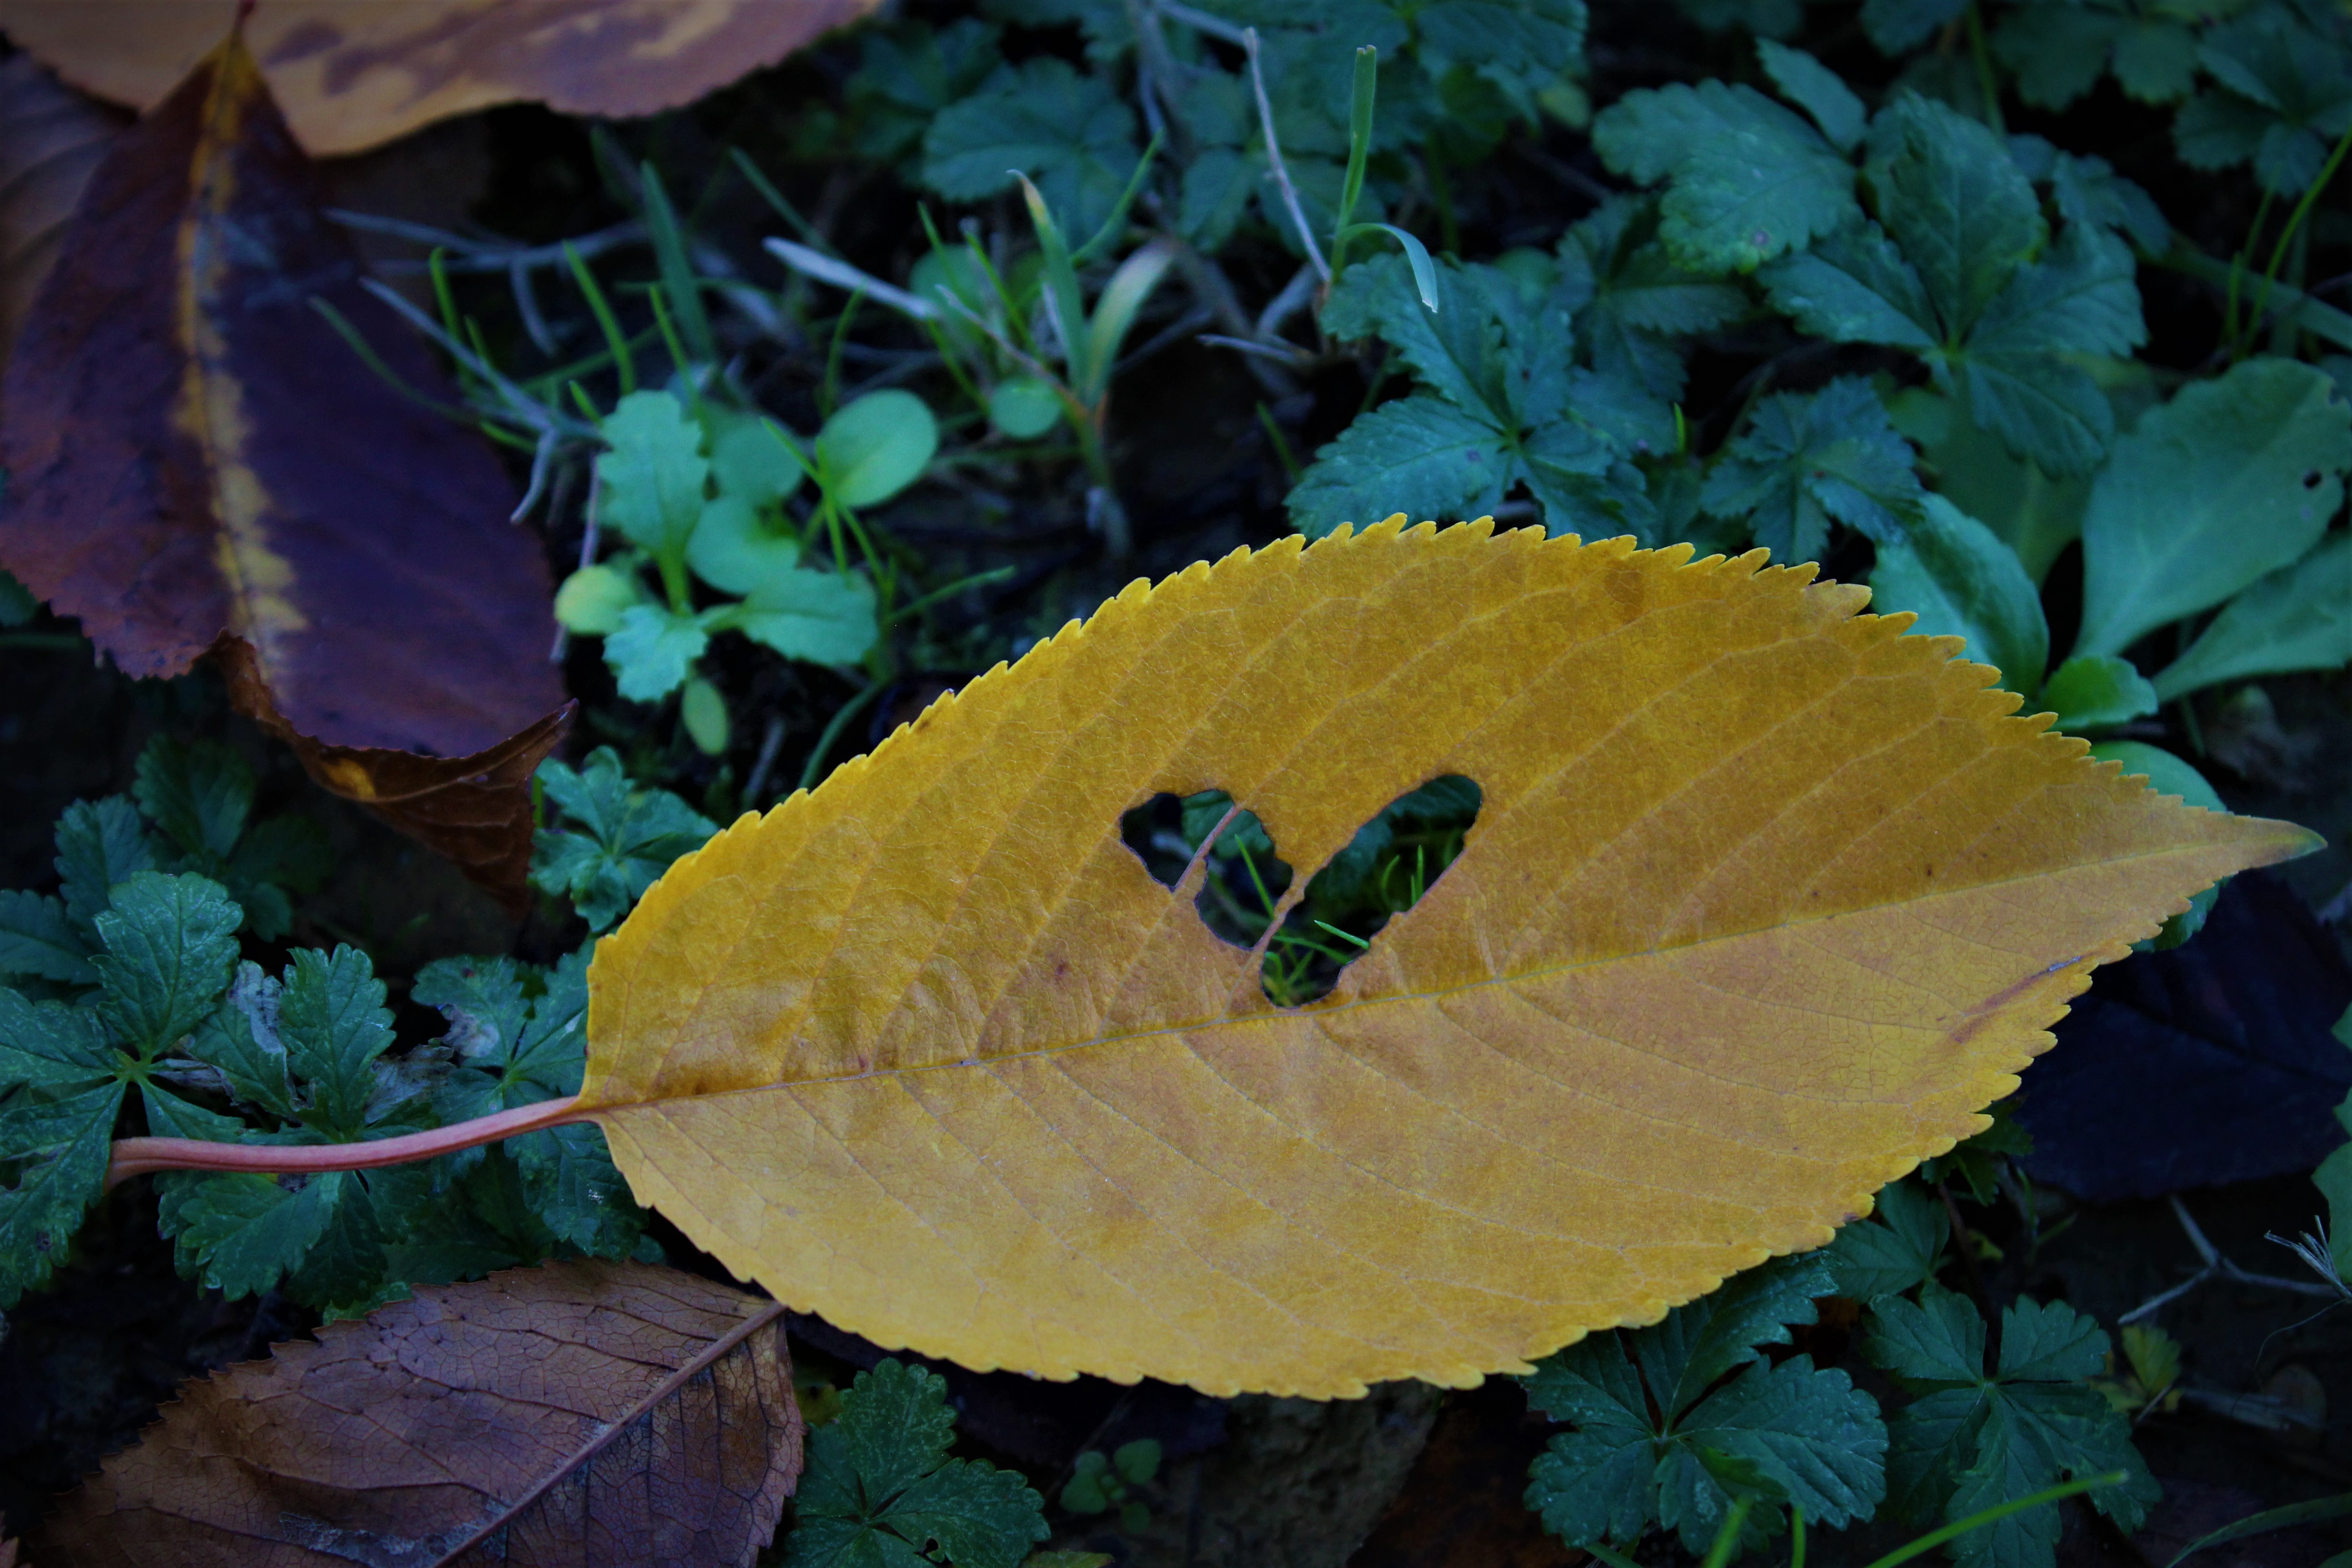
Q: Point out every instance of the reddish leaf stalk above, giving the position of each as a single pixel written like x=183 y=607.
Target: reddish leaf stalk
x=139 y=1156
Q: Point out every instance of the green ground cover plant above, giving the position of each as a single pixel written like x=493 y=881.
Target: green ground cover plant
x=839 y=387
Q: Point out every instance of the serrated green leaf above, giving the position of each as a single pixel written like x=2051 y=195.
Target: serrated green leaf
x=653 y=650
x=1749 y=178
x=1960 y=580
x=2049 y=1343
x=1456 y=351
x=1808 y=1430
x=632 y=835
x=1955 y=203
x=1632 y=302
x=971 y=1514
x=2095 y=691
x=333 y=1023
x=199 y=794
x=1854 y=287
x=1897 y=27
x=1974 y=1442
x=1902 y=1247
x=99 y=843
x=2058 y=52
x=2285 y=95
x=2231 y=480
x=653 y=475
x=241 y=1233
x=825 y=617
x=2043 y=409
x=577 y=1191
x=240 y=1041
x=1808 y=458
x=878 y=1487
x=1936 y=1341
x=1066 y=130
x=169 y=942
x=1418 y=455
x=1650 y=1443
x=2297 y=617
x=1812 y=87
x=37 y=939
x=344 y=1267
x=39 y=1214
x=50 y=1045
x=482 y=998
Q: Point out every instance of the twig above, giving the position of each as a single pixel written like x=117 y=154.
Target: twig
x=541 y=456
x=2218 y=1265
x=587 y=554
x=1286 y=354
x=493 y=254
x=1202 y=22
x=542 y=337
x=842 y=275
x=1274 y=161
x=770 y=743
x=1286 y=304
x=1183 y=327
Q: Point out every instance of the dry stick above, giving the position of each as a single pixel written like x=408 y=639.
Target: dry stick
x=2217 y=1266
x=1274 y=159
x=140 y=1156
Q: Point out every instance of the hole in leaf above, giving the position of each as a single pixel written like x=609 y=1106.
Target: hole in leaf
x=1393 y=860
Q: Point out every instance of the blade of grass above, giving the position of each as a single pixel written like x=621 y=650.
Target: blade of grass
x=784 y=209
x=1416 y=256
x=1982 y=1517
x=1362 y=99
x=1062 y=296
x=676 y=273
x=1112 y=225
x=625 y=363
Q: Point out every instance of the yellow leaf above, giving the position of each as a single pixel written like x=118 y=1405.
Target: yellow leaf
x=1765 y=902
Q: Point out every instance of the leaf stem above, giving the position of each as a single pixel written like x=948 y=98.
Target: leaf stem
x=140 y=1156
x=2311 y=194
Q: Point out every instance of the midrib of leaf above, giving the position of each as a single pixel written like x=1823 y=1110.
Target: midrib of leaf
x=212 y=408
x=1334 y=1008
x=707 y=1357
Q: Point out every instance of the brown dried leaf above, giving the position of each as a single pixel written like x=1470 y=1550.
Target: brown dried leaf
x=351 y=76
x=51 y=137
x=200 y=462
x=580 y=1413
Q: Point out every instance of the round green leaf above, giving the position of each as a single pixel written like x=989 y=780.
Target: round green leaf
x=705 y=712
x=751 y=457
x=733 y=550
x=1024 y=407
x=591 y=601
x=876 y=447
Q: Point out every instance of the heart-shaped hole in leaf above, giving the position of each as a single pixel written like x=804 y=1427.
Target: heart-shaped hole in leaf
x=1384 y=870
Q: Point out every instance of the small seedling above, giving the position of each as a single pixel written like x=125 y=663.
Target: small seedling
x=1101 y=1483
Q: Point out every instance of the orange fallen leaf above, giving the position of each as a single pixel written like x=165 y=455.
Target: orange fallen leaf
x=583 y=1414
x=353 y=77
x=1765 y=904
x=198 y=462
x=50 y=139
